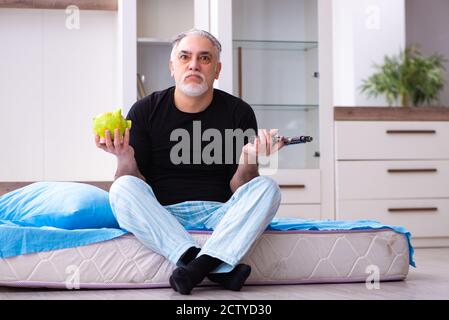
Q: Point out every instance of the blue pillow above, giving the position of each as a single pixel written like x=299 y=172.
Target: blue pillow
x=65 y=205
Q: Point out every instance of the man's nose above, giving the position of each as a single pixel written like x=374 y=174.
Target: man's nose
x=193 y=64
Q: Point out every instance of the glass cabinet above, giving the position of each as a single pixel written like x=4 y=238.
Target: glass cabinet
x=275 y=70
x=157 y=23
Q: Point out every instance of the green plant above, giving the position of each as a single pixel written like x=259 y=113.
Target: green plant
x=409 y=78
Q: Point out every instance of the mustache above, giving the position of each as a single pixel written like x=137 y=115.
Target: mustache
x=193 y=73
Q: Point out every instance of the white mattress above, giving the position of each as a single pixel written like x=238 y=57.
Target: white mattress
x=279 y=257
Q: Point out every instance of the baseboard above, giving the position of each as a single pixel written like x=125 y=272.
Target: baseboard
x=430 y=242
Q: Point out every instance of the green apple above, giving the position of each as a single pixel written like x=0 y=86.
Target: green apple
x=110 y=121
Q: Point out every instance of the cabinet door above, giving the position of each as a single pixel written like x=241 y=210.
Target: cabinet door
x=158 y=23
x=275 y=70
x=299 y=186
x=301 y=211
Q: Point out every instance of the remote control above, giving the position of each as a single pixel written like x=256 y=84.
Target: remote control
x=294 y=140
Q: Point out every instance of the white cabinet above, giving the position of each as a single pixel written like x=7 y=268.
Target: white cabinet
x=303 y=211
x=158 y=23
x=395 y=171
x=270 y=58
x=301 y=193
x=275 y=70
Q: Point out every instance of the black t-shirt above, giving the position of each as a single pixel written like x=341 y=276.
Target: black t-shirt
x=190 y=176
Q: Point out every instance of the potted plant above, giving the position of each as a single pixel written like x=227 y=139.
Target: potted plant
x=408 y=79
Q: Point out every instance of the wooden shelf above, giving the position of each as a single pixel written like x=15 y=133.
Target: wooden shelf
x=391 y=113
x=283 y=107
x=276 y=45
x=109 y=5
x=6 y=187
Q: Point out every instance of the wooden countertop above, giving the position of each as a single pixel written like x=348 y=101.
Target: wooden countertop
x=391 y=113
x=6 y=187
x=110 y=5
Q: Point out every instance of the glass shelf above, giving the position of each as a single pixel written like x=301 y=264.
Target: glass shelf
x=153 y=41
x=277 y=79
x=275 y=45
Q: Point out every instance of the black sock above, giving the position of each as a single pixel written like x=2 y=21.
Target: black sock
x=232 y=280
x=184 y=279
x=188 y=256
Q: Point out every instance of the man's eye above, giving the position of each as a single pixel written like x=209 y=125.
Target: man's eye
x=183 y=57
x=204 y=59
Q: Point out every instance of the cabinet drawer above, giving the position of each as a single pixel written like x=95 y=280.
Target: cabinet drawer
x=294 y=195
x=299 y=186
x=303 y=211
x=392 y=179
x=423 y=217
x=370 y=140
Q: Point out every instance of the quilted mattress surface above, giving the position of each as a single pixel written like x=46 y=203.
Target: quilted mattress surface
x=278 y=257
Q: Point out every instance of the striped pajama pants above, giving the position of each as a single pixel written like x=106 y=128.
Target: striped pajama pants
x=236 y=224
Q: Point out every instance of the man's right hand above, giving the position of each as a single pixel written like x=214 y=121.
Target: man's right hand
x=119 y=147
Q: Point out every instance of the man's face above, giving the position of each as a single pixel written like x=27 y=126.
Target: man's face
x=195 y=65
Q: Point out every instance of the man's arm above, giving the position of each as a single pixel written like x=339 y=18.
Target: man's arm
x=248 y=166
x=126 y=163
x=127 y=166
x=245 y=173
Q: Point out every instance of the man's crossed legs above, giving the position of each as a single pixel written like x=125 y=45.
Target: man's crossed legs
x=237 y=224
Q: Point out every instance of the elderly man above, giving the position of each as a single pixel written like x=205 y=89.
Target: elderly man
x=163 y=186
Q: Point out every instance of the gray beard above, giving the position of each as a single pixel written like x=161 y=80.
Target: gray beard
x=193 y=90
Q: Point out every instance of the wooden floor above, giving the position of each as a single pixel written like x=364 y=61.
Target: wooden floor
x=430 y=280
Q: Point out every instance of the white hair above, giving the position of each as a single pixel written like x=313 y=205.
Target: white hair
x=196 y=32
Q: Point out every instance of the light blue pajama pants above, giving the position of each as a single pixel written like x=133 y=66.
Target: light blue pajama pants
x=237 y=223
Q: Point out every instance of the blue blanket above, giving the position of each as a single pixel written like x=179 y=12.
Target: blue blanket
x=18 y=238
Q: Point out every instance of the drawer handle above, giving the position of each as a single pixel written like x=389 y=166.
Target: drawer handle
x=411 y=132
x=432 y=209
x=411 y=170
x=290 y=186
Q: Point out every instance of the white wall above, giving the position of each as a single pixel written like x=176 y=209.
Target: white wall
x=364 y=32
x=427 y=25
x=53 y=81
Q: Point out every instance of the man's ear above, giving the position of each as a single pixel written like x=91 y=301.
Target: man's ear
x=170 y=67
x=217 y=71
